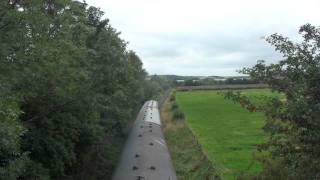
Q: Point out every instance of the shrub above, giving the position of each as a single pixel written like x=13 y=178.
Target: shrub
x=178 y=114
x=172 y=98
x=174 y=106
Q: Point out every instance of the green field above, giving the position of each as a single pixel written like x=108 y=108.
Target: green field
x=227 y=132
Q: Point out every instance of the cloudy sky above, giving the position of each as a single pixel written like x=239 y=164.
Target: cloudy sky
x=206 y=37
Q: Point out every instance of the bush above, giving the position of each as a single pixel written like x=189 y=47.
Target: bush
x=174 y=106
x=172 y=98
x=178 y=114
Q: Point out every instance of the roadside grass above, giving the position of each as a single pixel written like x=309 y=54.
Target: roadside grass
x=228 y=133
x=189 y=161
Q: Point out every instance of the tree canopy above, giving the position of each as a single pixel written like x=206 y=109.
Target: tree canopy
x=68 y=88
x=292 y=123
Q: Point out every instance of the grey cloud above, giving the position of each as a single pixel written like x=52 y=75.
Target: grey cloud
x=205 y=37
x=213 y=51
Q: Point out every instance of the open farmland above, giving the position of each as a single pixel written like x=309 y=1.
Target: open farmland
x=227 y=132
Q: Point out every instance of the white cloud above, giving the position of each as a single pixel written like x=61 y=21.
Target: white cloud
x=205 y=37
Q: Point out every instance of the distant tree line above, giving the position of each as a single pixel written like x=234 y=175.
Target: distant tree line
x=68 y=89
x=208 y=81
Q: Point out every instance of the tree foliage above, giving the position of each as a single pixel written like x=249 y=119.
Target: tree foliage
x=68 y=88
x=293 y=124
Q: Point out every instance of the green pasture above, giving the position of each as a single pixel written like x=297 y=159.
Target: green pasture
x=228 y=133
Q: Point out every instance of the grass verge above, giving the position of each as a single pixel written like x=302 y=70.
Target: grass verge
x=188 y=158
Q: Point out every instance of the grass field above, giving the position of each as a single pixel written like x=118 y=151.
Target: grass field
x=227 y=132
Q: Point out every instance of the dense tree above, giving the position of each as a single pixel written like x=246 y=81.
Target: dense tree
x=293 y=123
x=68 y=88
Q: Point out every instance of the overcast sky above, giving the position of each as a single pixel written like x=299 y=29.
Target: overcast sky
x=205 y=37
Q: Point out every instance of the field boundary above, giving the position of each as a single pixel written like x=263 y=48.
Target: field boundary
x=214 y=164
x=222 y=87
